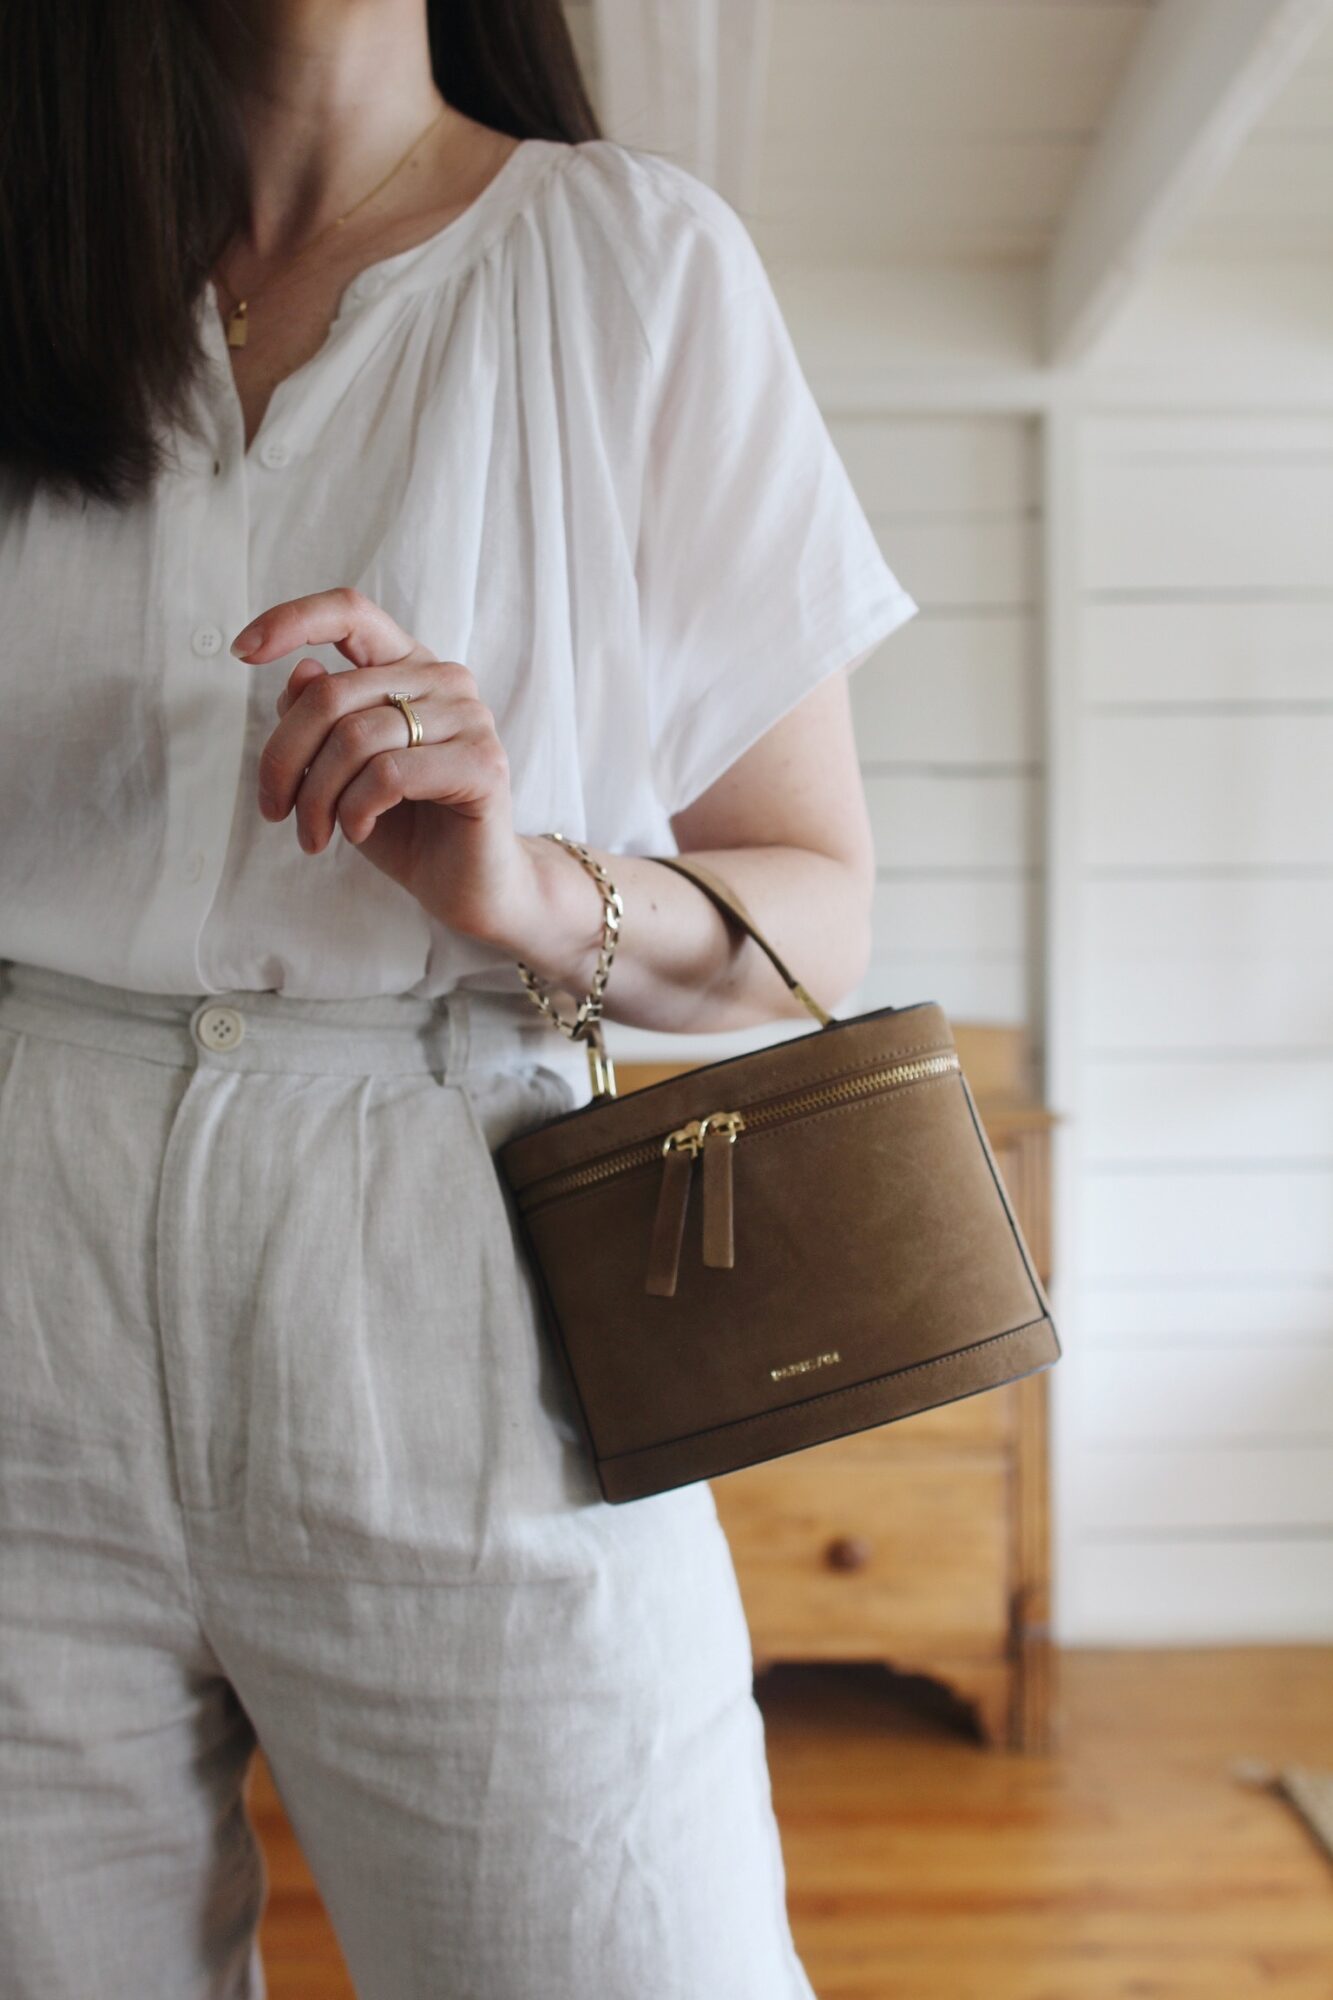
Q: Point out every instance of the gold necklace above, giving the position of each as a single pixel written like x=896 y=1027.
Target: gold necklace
x=238 y=321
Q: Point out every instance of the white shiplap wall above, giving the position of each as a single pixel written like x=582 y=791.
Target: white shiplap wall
x=946 y=713
x=1196 y=1401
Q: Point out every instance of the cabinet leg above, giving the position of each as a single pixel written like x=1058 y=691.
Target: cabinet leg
x=993 y=1706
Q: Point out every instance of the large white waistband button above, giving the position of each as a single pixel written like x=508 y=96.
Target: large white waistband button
x=219 y=1028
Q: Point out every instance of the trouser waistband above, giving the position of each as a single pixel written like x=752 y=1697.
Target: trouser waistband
x=454 y=1034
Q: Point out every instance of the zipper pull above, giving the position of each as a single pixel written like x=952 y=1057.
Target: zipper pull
x=678 y=1151
x=717 y=1137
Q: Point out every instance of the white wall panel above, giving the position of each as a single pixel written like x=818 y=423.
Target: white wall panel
x=947 y=717
x=954 y=687
x=928 y=467
x=992 y=987
x=1200 y=789
x=1197 y=1413
x=952 y=818
x=1133 y=1487
x=1191 y=1223
x=1217 y=1108
x=1271 y=1586
x=941 y=913
x=960 y=564
x=1197 y=962
x=962 y=940
x=1195 y=506
x=1242 y=1394
x=1156 y=654
x=1138 y=1312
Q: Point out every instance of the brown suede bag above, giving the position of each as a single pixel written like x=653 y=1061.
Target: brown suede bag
x=767 y=1252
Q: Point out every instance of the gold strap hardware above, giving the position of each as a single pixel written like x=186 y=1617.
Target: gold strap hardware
x=586 y=1025
x=601 y=1069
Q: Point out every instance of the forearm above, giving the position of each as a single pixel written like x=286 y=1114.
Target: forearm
x=679 y=964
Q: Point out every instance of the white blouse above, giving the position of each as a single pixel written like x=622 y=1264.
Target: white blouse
x=565 y=440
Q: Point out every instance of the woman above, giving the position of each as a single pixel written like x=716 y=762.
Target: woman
x=283 y=1453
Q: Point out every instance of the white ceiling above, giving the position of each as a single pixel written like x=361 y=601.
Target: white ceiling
x=922 y=128
x=1276 y=198
x=954 y=130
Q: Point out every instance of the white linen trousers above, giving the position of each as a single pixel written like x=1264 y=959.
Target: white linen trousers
x=285 y=1456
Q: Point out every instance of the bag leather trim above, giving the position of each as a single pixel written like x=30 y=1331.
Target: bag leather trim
x=826 y=1396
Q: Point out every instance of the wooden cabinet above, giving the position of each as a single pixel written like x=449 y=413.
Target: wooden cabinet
x=924 y=1543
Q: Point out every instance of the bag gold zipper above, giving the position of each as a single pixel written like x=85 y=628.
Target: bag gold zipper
x=714 y=1136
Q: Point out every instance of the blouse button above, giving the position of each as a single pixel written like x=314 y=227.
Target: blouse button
x=219 y=1027
x=194 y=865
x=275 y=452
x=367 y=285
x=206 y=639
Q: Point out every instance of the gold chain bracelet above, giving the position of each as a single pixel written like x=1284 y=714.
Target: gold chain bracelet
x=586 y=1023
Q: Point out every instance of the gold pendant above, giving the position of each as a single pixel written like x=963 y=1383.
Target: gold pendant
x=236 y=327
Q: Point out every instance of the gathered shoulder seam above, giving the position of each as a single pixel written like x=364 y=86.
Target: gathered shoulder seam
x=678 y=193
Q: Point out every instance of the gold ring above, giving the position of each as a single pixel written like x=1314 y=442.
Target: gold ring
x=414 y=729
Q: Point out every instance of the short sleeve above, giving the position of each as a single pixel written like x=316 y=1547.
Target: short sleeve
x=758 y=572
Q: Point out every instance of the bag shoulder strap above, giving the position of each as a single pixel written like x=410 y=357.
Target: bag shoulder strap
x=730 y=903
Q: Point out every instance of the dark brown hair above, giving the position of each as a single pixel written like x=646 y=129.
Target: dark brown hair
x=122 y=178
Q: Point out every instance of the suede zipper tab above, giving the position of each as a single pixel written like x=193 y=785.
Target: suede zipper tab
x=719 y=1140
x=714 y=1137
x=673 y=1197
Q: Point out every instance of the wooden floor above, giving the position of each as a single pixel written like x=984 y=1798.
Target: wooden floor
x=1130 y=1865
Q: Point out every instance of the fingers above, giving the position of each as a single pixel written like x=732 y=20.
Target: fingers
x=362 y=630
x=339 y=753
x=303 y=671
x=462 y=773
x=324 y=703
x=350 y=744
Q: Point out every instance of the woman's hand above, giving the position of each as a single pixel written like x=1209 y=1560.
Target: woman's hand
x=786 y=825
x=437 y=818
